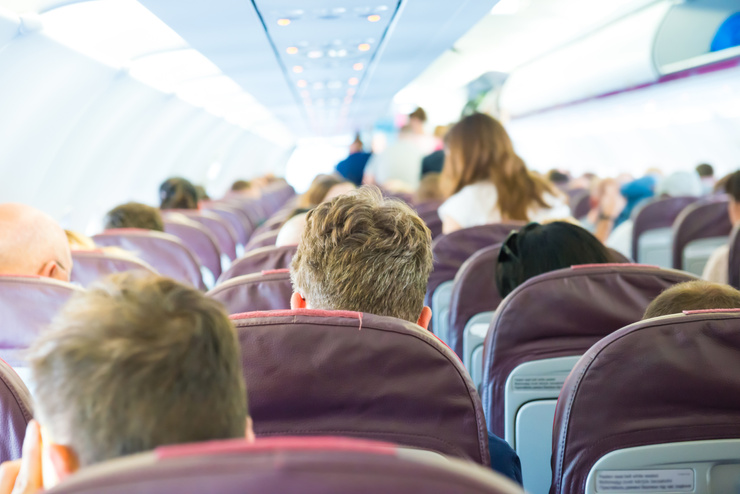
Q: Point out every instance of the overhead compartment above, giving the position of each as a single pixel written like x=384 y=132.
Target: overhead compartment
x=663 y=38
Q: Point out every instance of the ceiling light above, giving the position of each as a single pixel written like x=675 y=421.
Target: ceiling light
x=302 y=83
x=353 y=81
x=283 y=22
x=297 y=69
x=351 y=91
x=373 y=18
x=363 y=47
x=315 y=54
x=292 y=50
x=305 y=94
x=358 y=66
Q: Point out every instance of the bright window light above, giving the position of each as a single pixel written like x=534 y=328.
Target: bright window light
x=508 y=7
x=165 y=71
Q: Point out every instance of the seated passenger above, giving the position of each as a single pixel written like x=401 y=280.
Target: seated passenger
x=706 y=173
x=361 y=252
x=693 y=295
x=32 y=244
x=78 y=241
x=178 y=193
x=428 y=189
x=717 y=268
x=537 y=249
x=292 y=230
x=398 y=167
x=486 y=182
x=352 y=168
x=316 y=193
x=132 y=364
x=134 y=215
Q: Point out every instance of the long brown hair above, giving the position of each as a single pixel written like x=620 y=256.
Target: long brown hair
x=479 y=149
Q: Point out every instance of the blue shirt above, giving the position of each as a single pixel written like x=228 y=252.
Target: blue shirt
x=353 y=168
x=504 y=459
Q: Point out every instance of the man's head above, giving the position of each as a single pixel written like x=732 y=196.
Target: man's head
x=732 y=188
x=133 y=363
x=134 y=215
x=693 y=295
x=240 y=186
x=364 y=253
x=32 y=243
x=705 y=170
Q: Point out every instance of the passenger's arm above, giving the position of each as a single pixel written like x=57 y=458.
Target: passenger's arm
x=24 y=476
x=611 y=205
x=448 y=226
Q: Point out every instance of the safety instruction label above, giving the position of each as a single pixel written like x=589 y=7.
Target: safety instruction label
x=678 y=480
x=536 y=383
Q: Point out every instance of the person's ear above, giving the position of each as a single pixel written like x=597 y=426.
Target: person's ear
x=51 y=270
x=297 y=301
x=249 y=435
x=425 y=317
x=62 y=461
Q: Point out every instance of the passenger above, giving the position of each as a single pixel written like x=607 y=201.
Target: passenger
x=338 y=190
x=424 y=142
x=677 y=184
x=693 y=295
x=537 y=249
x=352 y=168
x=78 y=241
x=717 y=268
x=290 y=233
x=201 y=193
x=318 y=190
x=434 y=162
x=178 y=193
x=132 y=364
x=32 y=244
x=240 y=186
x=558 y=178
x=608 y=202
x=399 y=166
x=361 y=252
x=706 y=173
x=429 y=189
x=486 y=182
x=134 y=215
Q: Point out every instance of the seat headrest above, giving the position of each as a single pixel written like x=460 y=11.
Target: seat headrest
x=15 y=413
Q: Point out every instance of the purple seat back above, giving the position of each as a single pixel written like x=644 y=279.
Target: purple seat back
x=734 y=260
x=91 y=265
x=313 y=373
x=241 y=227
x=164 y=252
x=663 y=380
x=561 y=314
x=433 y=222
x=258 y=260
x=703 y=219
x=273 y=223
x=580 y=204
x=660 y=213
x=427 y=207
x=15 y=413
x=269 y=290
x=289 y=465
x=199 y=240
x=224 y=235
x=266 y=239
x=452 y=250
x=27 y=306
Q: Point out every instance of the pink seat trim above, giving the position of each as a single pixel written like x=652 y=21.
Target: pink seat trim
x=298 y=312
x=614 y=265
x=317 y=443
x=275 y=271
x=710 y=311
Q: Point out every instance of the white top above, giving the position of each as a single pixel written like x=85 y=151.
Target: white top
x=477 y=204
x=401 y=161
x=621 y=238
x=718 y=266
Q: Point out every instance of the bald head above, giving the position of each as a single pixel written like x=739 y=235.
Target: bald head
x=32 y=243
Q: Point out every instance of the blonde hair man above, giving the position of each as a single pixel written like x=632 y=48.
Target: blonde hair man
x=364 y=253
x=134 y=363
x=693 y=295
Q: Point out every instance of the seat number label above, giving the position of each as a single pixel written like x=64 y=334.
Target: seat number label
x=678 y=480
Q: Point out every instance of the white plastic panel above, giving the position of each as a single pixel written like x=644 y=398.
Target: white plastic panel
x=617 y=57
x=697 y=253
x=533 y=426
x=474 y=335
x=699 y=467
x=441 y=299
x=655 y=247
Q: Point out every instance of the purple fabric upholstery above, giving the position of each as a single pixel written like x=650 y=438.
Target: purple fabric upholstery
x=580 y=204
x=427 y=207
x=323 y=465
x=266 y=239
x=663 y=380
x=164 y=252
x=15 y=413
x=27 y=306
x=660 y=213
x=561 y=314
x=198 y=239
x=250 y=207
x=734 y=260
x=452 y=250
x=273 y=223
x=270 y=290
x=241 y=226
x=91 y=265
x=704 y=219
x=225 y=236
x=359 y=375
x=264 y=259
x=433 y=222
